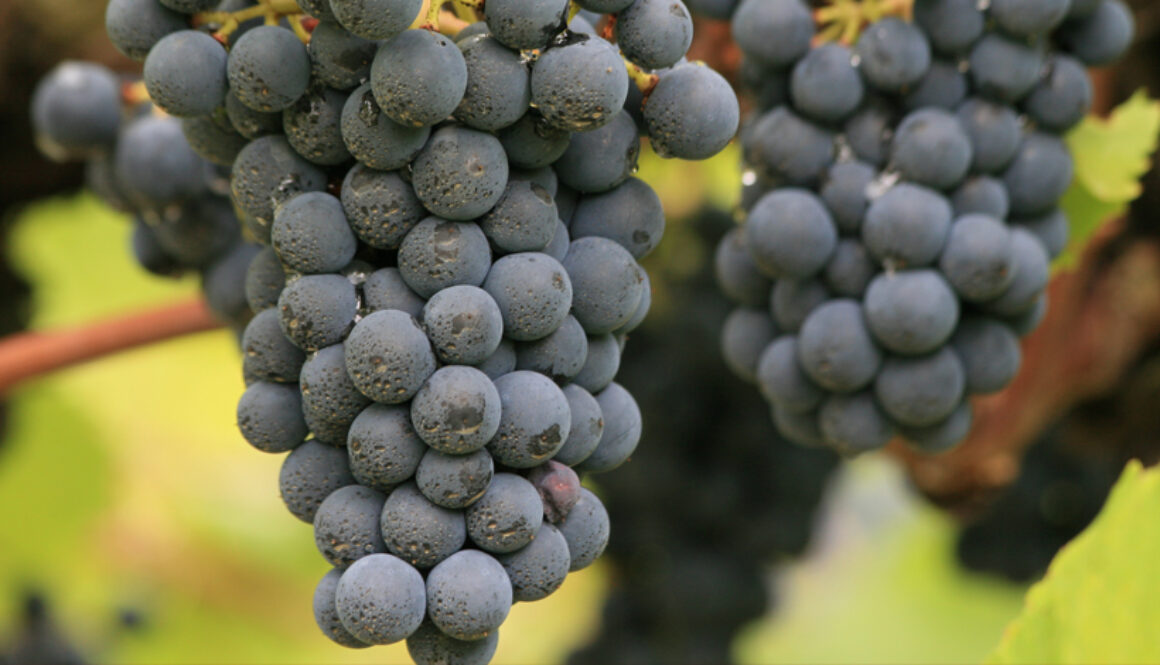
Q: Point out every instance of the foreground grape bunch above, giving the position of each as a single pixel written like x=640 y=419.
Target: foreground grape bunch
x=139 y=162
x=449 y=275
x=902 y=209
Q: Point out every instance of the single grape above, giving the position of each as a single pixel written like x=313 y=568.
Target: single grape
x=328 y=395
x=559 y=356
x=497 y=93
x=430 y=646
x=598 y=160
x=1039 y=175
x=268 y=172
x=346 y=526
x=380 y=206
x=388 y=356
x=534 y=423
x=539 y=569
x=793 y=300
x=654 y=33
x=383 y=446
x=457 y=411
x=601 y=365
x=532 y=142
x=155 y=164
x=524 y=24
x=1004 y=69
x=1029 y=18
x=907 y=226
x=381 y=599
x=185 y=74
x=893 y=54
x=270 y=417
x=952 y=26
x=787 y=148
x=317 y=310
x=979 y=259
x=468 y=595
x=989 y=353
x=385 y=289
x=825 y=85
x=211 y=141
x=507 y=516
x=607 y=284
x=835 y=347
x=850 y=269
x=1063 y=97
x=944 y=86
x=268 y=68
x=737 y=274
x=523 y=220
x=843 y=191
x=1031 y=274
x=994 y=132
x=931 y=148
x=911 y=312
x=854 y=423
x=691 y=113
x=311 y=234
x=790 y=234
x=418 y=531
x=586 y=530
x=375 y=19
x=454 y=481
x=326 y=616
x=461 y=173
x=438 y=253
x=746 y=333
x=920 y=391
x=781 y=380
x=418 y=77
x=464 y=324
x=982 y=195
x=341 y=60
x=134 y=26
x=1100 y=37
x=580 y=85
x=375 y=140
x=309 y=474
x=775 y=33
x=267 y=354
x=942 y=436
x=622 y=430
x=534 y=294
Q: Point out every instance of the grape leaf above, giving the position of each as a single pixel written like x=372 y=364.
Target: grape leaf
x=1097 y=603
x=1111 y=155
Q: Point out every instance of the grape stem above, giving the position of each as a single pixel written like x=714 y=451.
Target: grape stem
x=30 y=355
x=843 y=20
x=272 y=11
x=643 y=80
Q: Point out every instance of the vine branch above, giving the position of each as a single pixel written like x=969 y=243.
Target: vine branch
x=32 y=354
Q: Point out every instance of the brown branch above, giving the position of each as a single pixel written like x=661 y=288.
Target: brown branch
x=29 y=355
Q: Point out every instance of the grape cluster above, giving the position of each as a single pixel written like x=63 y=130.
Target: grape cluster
x=451 y=231
x=902 y=208
x=139 y=162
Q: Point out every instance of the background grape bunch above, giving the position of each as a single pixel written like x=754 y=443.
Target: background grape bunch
x=451 y=232
x=901 y=208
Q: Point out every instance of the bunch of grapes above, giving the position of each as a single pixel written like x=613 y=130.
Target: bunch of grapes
x=139 y=162
x=447 y=273
x=902 y=208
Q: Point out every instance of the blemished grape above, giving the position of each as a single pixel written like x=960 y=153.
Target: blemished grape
x=313 y=126
x=328 y=395
x=507 y=516
x=781 y=379
x=268 y=355
x=341 y=59
x=375 y=19
x=309 y=474
x=381 y=207
x=185 y=74
x=380 y=599
x=270 y=417
x=268 y=68
x=468 y=595
x=464 y=324
x=268 y=171
x=457 y=411
x=989 y=353
x=250 y=123
x=539 y=569
x=497 y=93
x=461 y=173
x=854 y=423
x=418 y=77
x=438 y=253
x=622 y=429
x=388 y=356
x=931 y=148
x=317 y=310
x=586 y=530
x=746 y=333
x=523 y=220
x=311 y=235
x=580 y=85
x=375 y=140
x=454 y=481
x=835 y=347
x=326 y=616
x=691 y=113
x=534 y=294
x=431 y=646
x=346 y=525
x=773 y=32
x=212 y=141
x=385 y=289
x=383 y=446
x=1063 y=97
x=522 y=25
x=920 y=391
x=598 y=160
x=790 y=234
x=630 y=214
x=418 y=531
x=894 y=54
x=534 y=423
x=907 y=226
x=825 y=86
x=654 y=33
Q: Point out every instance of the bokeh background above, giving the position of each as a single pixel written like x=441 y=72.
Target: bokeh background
x=136 y=526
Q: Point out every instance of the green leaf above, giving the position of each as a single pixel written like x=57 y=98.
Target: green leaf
x=1110 y=158
x=1097 y=603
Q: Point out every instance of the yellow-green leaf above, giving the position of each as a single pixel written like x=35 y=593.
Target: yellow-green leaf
x=1098 y=601
x=1111 y=155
